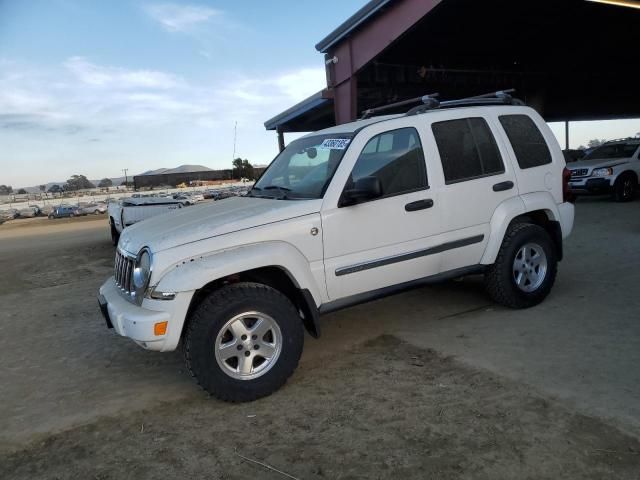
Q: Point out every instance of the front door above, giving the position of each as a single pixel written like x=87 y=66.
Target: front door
x=384 y=241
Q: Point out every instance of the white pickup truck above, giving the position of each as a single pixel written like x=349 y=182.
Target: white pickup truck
x=127 y=211
x=343 y=216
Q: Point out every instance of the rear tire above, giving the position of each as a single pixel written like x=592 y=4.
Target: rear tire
x=525 y=268
x=625 y=188
x=222 y=336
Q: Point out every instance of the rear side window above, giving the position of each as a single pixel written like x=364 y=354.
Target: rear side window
x=396 y=158
x=467 y=149
x=528 y=143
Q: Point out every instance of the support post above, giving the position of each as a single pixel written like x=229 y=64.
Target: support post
x=345 y=100
x=280 y=139
x=566 y=134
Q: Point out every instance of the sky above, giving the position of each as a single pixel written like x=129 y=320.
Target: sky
x=92 y=87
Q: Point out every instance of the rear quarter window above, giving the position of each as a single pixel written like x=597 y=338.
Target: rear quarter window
x=528 y=144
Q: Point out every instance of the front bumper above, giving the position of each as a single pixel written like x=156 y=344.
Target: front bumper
x=137 y=322
x=590 y=185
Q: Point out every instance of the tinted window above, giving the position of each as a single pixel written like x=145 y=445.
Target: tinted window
x=396 y=158
x=467 y=149
x=528 y=143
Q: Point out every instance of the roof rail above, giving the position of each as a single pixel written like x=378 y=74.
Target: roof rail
x=430 y=102
x=501 y=97
x=429 y=99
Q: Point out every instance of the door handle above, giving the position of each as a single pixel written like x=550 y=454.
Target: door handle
x=502 y=186
x=419 y=205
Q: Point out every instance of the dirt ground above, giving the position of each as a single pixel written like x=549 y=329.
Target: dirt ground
x=433 y=383
x=386 y=410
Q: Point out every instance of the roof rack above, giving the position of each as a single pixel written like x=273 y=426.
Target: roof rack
x=501 y=97
x=430 y=102
x=429 y=99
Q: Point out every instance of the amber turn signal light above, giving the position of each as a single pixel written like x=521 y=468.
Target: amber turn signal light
x=160 y=328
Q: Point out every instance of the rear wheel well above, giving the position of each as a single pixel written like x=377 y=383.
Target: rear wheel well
x=274 y=277
x=544 y=219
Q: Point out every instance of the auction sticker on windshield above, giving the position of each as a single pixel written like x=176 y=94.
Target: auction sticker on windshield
x=335 y=143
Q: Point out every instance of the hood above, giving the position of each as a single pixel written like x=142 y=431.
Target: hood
x=597 y=162
x=190 y=224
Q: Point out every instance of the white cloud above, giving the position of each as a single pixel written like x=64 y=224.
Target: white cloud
x=106 y=76
x=302 y=83
x=18 y=101
x=84 y=110
x=180 y=18
x=104 y=94
x=276 y=92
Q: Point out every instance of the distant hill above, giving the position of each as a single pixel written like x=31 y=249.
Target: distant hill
x=180 y=169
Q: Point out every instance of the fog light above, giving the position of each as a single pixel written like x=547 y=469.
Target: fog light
x=160 y=328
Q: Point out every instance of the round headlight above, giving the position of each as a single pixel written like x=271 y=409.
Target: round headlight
x=142 y=272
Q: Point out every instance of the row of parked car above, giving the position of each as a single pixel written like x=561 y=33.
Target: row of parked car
x=187 y=198
x=54 y=211
x=63 y=211
x=221 y=194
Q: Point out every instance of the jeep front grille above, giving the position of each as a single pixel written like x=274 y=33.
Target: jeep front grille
x=124 y=271
x=579 y=172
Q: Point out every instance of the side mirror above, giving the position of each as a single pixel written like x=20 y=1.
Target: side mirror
x=365 y=188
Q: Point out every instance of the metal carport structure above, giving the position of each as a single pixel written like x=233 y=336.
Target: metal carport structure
x=570 y=59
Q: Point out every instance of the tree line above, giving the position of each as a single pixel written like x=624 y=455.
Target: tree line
x=75 y=183
x=242 y=169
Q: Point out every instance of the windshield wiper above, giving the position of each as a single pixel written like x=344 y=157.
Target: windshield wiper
x=284 y=191
x=250 y=192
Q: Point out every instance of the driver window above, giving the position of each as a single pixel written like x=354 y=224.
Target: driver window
x=396 y=159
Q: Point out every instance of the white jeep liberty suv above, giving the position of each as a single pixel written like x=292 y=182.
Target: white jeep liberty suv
x=343 y=216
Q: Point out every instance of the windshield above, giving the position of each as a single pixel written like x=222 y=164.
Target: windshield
x=303 y=169
x=613 y=150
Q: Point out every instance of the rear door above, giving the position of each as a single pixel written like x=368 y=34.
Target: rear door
x=476 y=178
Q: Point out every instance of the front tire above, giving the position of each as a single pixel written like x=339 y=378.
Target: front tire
x=243 y=342
x=625 y=188
x=525 y=268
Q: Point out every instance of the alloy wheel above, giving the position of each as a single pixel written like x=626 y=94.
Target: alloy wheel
x=248 y=345
x=529 y=267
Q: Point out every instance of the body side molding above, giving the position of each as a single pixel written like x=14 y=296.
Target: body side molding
x=409 y=256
